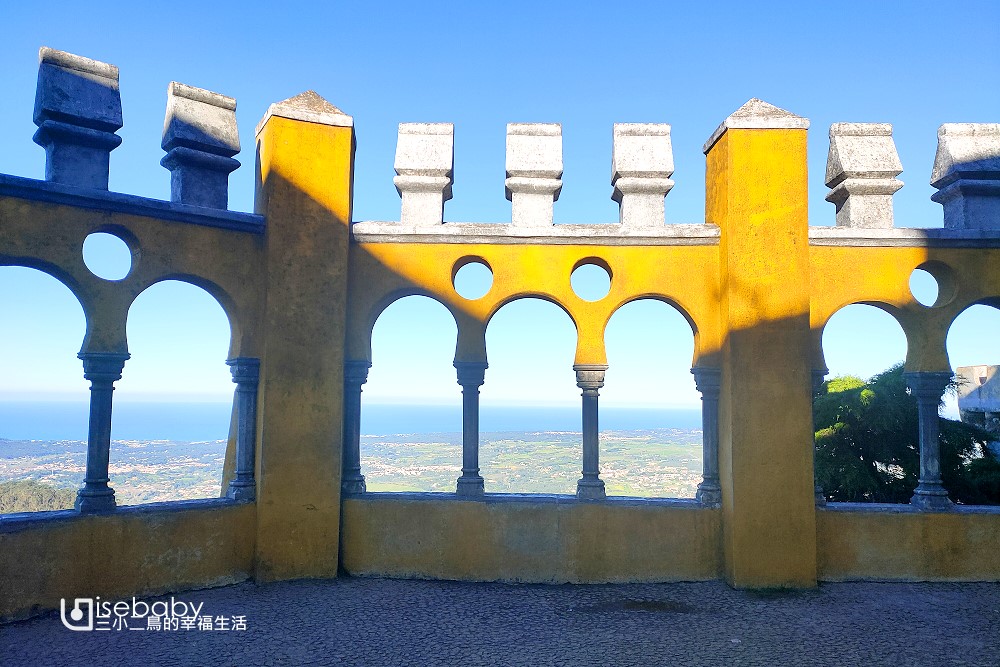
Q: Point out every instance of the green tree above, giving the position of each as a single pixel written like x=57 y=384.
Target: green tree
x=27 y=495
x=867 y=446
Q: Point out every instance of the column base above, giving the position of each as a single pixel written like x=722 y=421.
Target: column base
x=470 y=486
x=242 y=492
x=932 y=497
x=92 y=501
x=709 y=494
x=353 y=487
x=590 y=489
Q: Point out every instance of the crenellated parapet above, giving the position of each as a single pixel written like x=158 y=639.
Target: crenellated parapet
x=303 y=286
x=861 y=171
x=967 y=175
x=200 y=137
x=78 y=110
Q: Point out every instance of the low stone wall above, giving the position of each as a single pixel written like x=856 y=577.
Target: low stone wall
x=140 y=550
x=895 y=542
x=539 y=539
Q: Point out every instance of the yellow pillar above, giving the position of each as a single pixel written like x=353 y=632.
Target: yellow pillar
x=756 y=192
x=305 y=151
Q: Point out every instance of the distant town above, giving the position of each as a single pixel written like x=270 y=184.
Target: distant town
x=646 y=463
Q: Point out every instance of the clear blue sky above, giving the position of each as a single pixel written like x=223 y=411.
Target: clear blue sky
x=480 y=66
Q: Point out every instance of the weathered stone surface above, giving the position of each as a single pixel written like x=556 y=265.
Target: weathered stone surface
x=376 y=231
x=77 y=110
x=757 y=114
x=967 y=175
x=861 y=170
x=309 y=107
x=200 y=136
x=200 y=119
x=534 y=172
x=642 y=162
x=425 y=155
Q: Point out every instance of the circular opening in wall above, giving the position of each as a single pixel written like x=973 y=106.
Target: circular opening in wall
x=591 y=281
x=923 y=287
x=107 y=256
x=473 y=279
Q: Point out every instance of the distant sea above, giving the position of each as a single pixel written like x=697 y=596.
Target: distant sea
x=193 y=422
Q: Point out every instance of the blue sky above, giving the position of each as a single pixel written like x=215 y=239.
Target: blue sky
x=480 y=66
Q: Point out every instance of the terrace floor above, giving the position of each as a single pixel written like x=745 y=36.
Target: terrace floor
x=362 y=621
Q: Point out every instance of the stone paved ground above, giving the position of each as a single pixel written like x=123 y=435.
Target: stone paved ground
x=390 y=622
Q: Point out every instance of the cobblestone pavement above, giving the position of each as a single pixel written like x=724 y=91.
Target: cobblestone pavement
x=357 y=621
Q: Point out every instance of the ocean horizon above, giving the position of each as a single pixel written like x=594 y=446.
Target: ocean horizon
x=195 y=422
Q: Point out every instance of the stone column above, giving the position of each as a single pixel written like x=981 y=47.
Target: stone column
x=708 y=380
x=590 y=378
x=246 y=375
x=534 y=172
x=471 y=375
x=78 y=109
x=927 y=388
x=102 y=369
x=355 y=375
x=818 y=376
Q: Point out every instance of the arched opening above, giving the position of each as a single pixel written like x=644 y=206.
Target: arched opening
x=411 y=419
x=651 y=439
x=44 y=398
x=530 y=405
x=973 y=400
x=173 y=404
x=867 y=447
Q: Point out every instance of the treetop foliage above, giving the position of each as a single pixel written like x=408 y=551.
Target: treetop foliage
x=867 y=445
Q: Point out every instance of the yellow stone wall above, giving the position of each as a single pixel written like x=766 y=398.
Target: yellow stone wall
x=304 y=298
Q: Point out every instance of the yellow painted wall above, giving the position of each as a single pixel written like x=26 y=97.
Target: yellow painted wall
x=908 y=545
x=529 y=540
x=304 y=299
x=305 y=192
x=131 y=552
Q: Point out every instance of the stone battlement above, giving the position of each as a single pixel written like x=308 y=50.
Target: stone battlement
x=303 y=285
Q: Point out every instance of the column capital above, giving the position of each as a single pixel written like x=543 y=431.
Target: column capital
x=106 y=366
x=590 y=376
x=356 y=371
x=244 y=369
x=928 y=384
x=707 y=379
x=471 y=372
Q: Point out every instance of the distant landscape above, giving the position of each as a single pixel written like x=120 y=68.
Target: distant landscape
x=648 y=462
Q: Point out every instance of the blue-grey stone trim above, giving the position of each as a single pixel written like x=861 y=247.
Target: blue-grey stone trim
x=927 y=388
x=116 y=202
x=78 y=109
x=355 y=374
x=708 y=381
x=102 y=369
x=246 y=375
x=471 y=375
